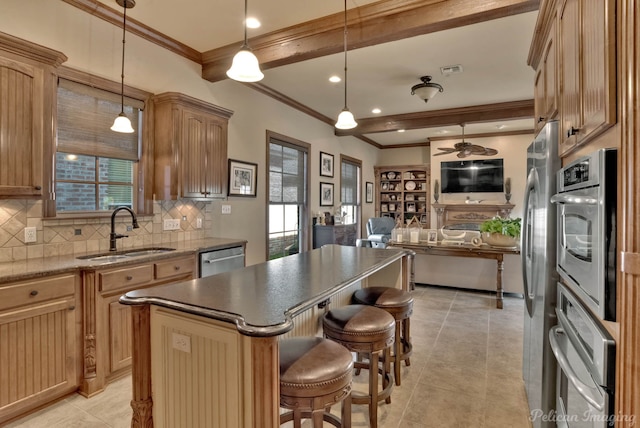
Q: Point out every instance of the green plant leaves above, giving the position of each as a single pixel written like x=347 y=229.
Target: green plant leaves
x=505 y=226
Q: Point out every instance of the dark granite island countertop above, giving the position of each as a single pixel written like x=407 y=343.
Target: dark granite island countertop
x=218 y=337
x=263 y=299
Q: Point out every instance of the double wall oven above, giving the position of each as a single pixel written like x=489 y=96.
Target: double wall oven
x=586 y=261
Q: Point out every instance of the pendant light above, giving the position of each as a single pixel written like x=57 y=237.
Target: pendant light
x=245 y=67
x=122 y=122
x=345 y=118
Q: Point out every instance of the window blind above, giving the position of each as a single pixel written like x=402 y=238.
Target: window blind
x=287 y=172
x=349 y=183
x=85 y=116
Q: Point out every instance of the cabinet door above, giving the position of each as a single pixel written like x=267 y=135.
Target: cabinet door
x=39 y=355
x=598 y=67
x=119 y=335
x=570 y=75
x=203 y=155
x=550 y=72
x=21 y=129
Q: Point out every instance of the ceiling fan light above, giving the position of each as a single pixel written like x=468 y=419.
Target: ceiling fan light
x=427 y=89
x=346 y=120
x=122 y=124
x=245 y=67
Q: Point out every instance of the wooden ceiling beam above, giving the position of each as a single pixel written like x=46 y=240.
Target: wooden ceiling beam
x=369 y=25
x=447 y=117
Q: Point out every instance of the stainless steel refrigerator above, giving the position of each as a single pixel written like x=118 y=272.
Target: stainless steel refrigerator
x=539 y=274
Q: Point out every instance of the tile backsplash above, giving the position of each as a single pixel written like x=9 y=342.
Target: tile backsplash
x=79 y=236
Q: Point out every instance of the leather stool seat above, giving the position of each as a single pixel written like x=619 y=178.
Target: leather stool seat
x=315 y=373
x=399 y=304
x=370 y=330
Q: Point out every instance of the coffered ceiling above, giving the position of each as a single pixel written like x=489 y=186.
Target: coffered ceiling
x=391 y=44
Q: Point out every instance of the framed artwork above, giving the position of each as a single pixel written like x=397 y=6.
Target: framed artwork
x=432 y=236
x=326 y=165
x=326 y=194
x=243 y=178
x=368 y=192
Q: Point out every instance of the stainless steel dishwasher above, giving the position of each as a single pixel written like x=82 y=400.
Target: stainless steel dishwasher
x=218 y=261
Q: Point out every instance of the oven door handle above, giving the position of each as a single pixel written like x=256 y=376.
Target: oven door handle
x=567 y=198
x=588 y=393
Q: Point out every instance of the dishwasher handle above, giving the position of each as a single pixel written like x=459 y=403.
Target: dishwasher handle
x=223 y=259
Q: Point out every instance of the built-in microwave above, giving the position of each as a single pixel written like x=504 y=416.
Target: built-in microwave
x=586 y=256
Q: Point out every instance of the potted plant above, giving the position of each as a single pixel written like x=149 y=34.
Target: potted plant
x=501 y=232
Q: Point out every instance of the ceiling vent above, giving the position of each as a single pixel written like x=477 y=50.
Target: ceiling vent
x=451 y=69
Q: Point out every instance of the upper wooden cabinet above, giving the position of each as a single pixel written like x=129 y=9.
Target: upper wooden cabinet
x=588 y=85
x=190 y=148
x=27 y=111
x=546 y=79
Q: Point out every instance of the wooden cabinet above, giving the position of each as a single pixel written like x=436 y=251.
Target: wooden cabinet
x=546 y=81
x=39 y=342
x=190 y=148
x=107 y=341
x=27 y=110
x=403 y=192
x=588 y=88
x=340 y=234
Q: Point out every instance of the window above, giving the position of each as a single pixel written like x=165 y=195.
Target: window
x=288 y=196
x=95 y=167
x=350 y=196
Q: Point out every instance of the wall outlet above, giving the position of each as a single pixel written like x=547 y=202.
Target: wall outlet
x=199 y=223
x=181 y=342
x=171 y=224
x=226 y=209
x=30 y=234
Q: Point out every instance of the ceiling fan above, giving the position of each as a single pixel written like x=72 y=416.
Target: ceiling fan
x=465 y=149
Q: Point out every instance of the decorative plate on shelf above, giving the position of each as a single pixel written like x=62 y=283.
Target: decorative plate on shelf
x=391 y=175
x=410 y=185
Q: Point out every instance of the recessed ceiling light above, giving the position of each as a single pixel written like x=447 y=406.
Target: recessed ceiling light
x=335 y=79
x=400 y=130
x=376 y=111
x=501 y=126
x=442 y=131
x=253 y=23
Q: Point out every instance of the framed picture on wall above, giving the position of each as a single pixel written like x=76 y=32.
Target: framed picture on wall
x=326 y=194
x=326 y=165
x=242 y=178
x=368 y=192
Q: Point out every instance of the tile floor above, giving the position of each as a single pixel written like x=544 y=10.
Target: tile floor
x=465 y=372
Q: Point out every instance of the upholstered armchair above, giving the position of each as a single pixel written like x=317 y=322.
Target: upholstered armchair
x=378 y=232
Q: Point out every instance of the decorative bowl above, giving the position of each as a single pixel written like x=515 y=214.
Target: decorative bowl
x=499 y=240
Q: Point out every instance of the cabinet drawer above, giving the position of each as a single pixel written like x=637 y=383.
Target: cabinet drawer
x=26 y=293
x=179 y=267
x=126 y=277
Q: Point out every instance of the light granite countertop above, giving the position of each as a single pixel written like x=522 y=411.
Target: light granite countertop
x=34 y=268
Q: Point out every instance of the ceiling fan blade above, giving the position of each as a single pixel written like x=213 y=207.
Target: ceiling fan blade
x=464 y=153
x=490 y=152
x=444 y=153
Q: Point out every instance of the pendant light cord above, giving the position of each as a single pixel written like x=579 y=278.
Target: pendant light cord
x=244 y=24
x=124 y=31
x=345 y=54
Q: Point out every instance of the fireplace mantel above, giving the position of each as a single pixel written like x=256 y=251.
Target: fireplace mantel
x=464 y=214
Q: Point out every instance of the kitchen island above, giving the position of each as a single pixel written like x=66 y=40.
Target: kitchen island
x=206 y=350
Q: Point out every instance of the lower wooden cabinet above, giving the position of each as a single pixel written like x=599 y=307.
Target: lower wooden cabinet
x=39 y=342
x=107 y=346
x=340 y=234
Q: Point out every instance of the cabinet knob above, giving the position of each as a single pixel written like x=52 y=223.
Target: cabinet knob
x=71 y=308
x=540 y=119
x=34 y=293
x=572 y=131
x=129 y=277
x=176 y=267
x=37 y=187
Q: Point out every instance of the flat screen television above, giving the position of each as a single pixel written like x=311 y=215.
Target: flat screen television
x=472 y=176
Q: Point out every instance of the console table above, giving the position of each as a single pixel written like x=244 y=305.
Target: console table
x=483 y=252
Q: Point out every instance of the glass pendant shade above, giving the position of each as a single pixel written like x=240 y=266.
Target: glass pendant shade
x=426 y=92
x=122 y=124
x=346 y=120
x=245 y=67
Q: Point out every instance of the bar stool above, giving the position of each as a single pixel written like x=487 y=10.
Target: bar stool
x=368 y=330
x=315 y=374
x=399 y=304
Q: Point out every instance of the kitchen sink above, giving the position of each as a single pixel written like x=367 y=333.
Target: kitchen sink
x=120 y=255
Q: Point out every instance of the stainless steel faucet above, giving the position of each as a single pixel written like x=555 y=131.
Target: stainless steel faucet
x=113 y=236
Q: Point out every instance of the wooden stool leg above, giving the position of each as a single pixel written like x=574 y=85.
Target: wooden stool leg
x=345 y=415
x=406 y=336
x=386 y=374
x=297 y=418
x=398 y=353
x=317 y=418
x=373 y=389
